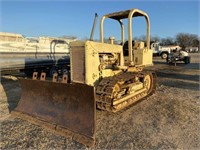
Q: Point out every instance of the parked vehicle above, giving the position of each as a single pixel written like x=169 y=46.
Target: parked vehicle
x=163 y=51
x=29 y=54
x=174 y=57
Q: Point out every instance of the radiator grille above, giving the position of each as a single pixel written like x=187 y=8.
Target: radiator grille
x=78 y=64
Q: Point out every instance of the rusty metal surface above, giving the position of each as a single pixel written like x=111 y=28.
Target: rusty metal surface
x=70 y=106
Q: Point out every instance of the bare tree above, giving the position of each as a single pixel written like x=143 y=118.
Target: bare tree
x=196 y=43
x=168 y=41
x=186 y=40
x=143 y=38
x=155 y=38
x=69 y=37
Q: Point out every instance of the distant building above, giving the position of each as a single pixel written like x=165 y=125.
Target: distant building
x=192 y=49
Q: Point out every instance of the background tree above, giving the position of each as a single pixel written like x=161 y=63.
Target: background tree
x=143 y=38
x=69 y=37
x=186 y=40
x=155 y=38
x=167 y=41
x=196 y=42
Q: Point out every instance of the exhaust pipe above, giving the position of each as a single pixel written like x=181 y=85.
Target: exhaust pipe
x=93 y=27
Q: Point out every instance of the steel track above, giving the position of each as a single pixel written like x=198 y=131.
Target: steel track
x=105 y=96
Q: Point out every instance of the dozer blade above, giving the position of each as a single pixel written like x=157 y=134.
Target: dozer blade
x=67 y=108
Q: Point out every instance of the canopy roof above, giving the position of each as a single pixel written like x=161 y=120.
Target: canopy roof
x=125 y=14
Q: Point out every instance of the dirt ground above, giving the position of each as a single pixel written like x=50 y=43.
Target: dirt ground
x=169 y=119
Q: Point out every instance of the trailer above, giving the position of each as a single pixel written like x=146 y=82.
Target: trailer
x=30 y=54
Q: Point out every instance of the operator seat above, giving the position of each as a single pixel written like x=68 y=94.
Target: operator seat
x=125 y=47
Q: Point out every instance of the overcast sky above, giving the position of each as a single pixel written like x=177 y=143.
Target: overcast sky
x=75 y=18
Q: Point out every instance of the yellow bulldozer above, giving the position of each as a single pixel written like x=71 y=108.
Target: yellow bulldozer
x=100 y=76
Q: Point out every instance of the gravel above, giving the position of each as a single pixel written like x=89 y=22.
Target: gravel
x=169 y=119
